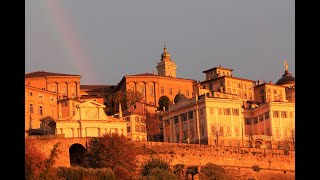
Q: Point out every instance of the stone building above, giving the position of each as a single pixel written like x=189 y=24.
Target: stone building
x=86 y=118
x=235 y=112
x=40 y=107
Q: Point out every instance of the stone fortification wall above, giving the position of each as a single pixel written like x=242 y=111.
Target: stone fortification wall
x=194 y=154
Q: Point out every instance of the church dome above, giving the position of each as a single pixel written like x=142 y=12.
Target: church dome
x=286 y=80
x=165 y=55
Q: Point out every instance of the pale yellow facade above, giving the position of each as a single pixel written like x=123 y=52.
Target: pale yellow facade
x=87 y=119
x=136 y=127
x=204 y=119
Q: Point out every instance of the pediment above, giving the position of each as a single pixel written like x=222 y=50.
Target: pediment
x=90 y=104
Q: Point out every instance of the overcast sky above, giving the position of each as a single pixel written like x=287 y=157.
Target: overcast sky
x=104 y=40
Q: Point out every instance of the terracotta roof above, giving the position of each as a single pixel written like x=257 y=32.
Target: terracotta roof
x=45 y=74
x=144 y=74
x=217 y=68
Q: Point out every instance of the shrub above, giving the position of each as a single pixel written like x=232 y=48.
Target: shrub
x=154 y=163
x=212 y=171
x=256 y=168
x=85 y=173
x=161 y=174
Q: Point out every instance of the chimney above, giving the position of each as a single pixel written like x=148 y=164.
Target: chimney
x=120 y=111
x=220 y=66
x=258 y=82
x=270 y=82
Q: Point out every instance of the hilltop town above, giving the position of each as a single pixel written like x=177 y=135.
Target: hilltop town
x=221 y=111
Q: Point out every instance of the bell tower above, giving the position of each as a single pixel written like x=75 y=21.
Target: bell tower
x=166 y=67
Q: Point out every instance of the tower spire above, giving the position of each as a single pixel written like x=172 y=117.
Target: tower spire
x=285 y=64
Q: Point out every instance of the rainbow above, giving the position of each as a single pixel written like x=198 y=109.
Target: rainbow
x=69 y=38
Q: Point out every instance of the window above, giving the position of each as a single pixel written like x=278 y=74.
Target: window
x=221 y=83
x=40 y=110
x=260 y=118
x=137 y=128
x=128 y=129
x=211 y=87
x=184 y=116
x=211 y=110
x=269 y=91
x=250 y=96
x=132 y=88
x=151 y=91
x=283 y=114
x=63 y=90
x=30 y=93
x=53 y=89
x=190 y=113
x=244 y=87
x=228 y=131
x=31 y=108
x=142 y=90
x=221 y=131
x=201 y=112
x=266 y=115
x=220 y=111
x=236 y=130
x=51 y=98
x=162 y=90
x=255 y=120
x=235 y=112
x=176 y=119
x=276 y=114
x=187 y=93
x=248 y=121
x=275 y=91
x=226 y=111
x=261 y=91
x=239 y=85
x=291 y=114
x=170 y=91
x=40 y=96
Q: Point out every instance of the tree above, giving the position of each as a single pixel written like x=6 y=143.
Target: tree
x=36 y=165
x=152 y=125
x=133 y=97
x=164 y=102
x=34 y=161
x=178 y=170
x=114 y=151
x=152 y=164
x=193 y=170
x=212 y=171
x=179 y=97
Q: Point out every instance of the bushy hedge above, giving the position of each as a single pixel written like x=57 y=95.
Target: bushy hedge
x=80 y=173
x=212 y=171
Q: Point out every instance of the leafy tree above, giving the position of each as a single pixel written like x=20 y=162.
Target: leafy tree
x=152 y=125
x=125 y=98
x=152 y=164
x=179 y=97
x=178 y=170
x=114 y=151
x=36 y=165
x=34 y=161
x=133 y=97
x=212 y=171
x=192 y=170
x=164 y=102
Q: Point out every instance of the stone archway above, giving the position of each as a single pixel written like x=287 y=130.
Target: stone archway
x=76 y=154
